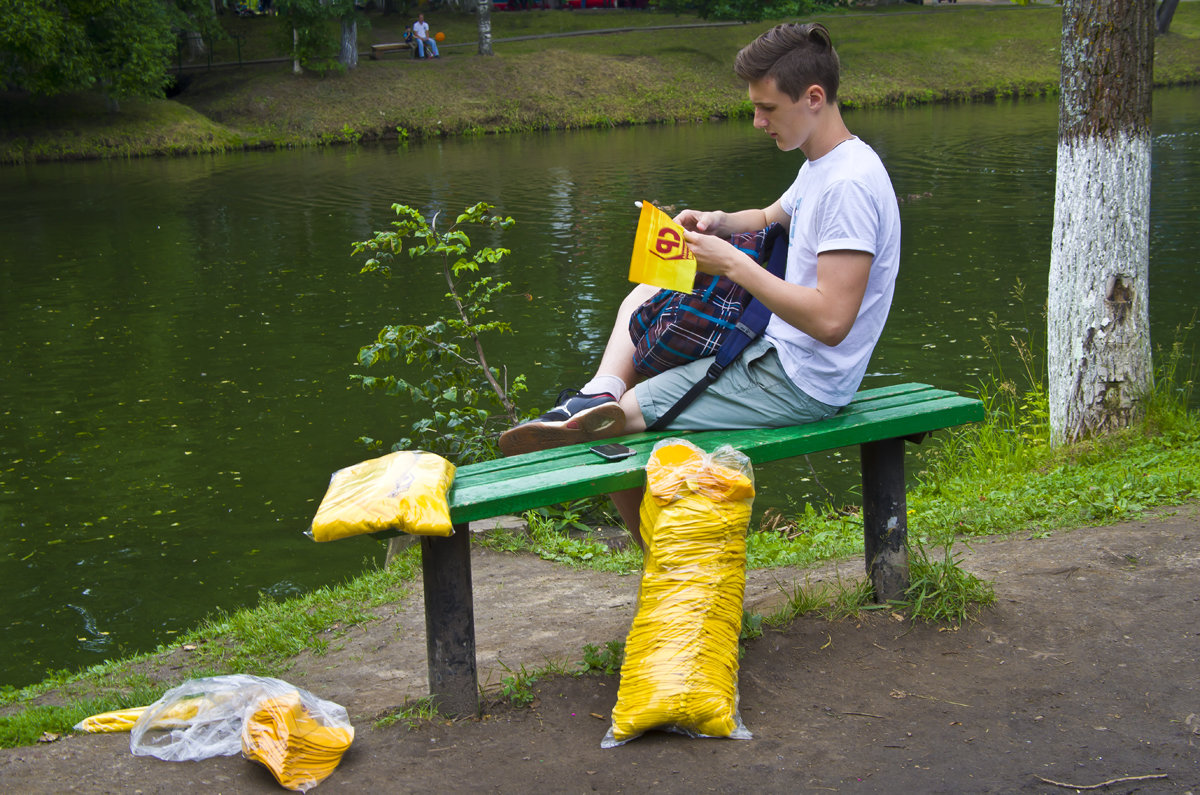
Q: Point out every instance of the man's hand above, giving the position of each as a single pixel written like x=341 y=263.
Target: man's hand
x=714 y=254
x=708 y=223
x=723 y=224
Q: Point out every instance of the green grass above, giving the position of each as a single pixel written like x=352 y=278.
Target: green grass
x=832 y=600
x=941 y=591
x=548 y=538
x=263 y=641
x=76 y=127
x=899 y=55
x=1002 y=476
x=809 y=536
x=605 y=659
x=515 y=687
x=413 y=714
x=29 y=725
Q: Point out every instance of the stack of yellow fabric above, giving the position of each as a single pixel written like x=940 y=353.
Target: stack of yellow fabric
x=300 y=738
x=681 y=655
x=403 y=491
x=298 y=750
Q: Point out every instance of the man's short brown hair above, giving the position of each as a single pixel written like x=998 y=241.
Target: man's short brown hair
x=795 y=56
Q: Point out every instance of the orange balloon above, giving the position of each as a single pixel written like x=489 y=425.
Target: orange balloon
x=439 y=36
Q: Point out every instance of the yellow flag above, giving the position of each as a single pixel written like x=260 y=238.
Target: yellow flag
x=660 y=257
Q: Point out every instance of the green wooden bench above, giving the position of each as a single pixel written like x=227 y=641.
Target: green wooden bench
x=879 y=421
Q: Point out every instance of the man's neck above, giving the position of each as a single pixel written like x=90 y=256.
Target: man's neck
x=830 y=132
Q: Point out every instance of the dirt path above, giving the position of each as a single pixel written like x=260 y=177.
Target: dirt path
x=1086 y=671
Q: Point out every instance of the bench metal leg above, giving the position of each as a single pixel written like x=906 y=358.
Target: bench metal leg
x=450 y=622
x=885 y=518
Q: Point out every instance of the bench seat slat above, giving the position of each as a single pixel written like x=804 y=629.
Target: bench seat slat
x=502 y=468
x=516 y=484
x=867 y=400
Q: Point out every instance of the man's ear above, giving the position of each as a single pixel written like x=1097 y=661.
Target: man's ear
x=814 y=97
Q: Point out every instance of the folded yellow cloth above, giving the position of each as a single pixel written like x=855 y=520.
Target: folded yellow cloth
x=299 y=751
x=405 y=491
x=122 y=720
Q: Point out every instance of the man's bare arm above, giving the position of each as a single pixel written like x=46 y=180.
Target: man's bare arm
x=826 y=312
x=723 y=224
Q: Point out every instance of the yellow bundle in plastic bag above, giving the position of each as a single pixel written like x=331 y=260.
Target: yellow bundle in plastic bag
x=299 y=737
x=681 y=655
x=299 y=750
x=400 y=491
x=123 y=720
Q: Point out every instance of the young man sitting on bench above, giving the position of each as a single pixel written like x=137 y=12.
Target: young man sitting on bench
x=829 y=310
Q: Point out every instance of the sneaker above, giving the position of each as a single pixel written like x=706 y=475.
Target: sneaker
x=577 y=418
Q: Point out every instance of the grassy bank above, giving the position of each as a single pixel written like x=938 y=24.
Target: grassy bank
x=652 y=71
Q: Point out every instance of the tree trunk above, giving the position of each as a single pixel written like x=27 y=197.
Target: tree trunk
x=349 y=54
x=485 y=27
x=1166 y=11
x=195 y=45
x=1098 y=336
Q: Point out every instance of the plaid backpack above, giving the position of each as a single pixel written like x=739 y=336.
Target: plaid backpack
x=674 y=328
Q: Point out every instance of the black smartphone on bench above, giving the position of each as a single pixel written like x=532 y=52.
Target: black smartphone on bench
x=613 y=452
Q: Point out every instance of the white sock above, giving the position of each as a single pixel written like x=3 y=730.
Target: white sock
x=605 y=383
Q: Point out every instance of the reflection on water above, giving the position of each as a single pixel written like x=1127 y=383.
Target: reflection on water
x=176 y=336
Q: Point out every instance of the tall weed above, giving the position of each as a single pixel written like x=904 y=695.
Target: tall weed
x=940 y=590
x=1002 y=476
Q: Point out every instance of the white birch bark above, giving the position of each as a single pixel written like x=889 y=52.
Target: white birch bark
x=1098 y=336
x=349 y=45
x=1099 y=312
x=484 y=10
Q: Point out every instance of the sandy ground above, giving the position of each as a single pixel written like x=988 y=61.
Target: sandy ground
x=1084 y=672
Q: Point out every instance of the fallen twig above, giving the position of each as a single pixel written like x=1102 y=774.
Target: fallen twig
x=1121 y=780
x=903 y=694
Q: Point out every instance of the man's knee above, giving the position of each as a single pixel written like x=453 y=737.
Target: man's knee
x=640 y=294
x=634 y=421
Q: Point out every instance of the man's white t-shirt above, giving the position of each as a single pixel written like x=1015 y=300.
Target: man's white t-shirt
x=843 y=200
x=421 y=30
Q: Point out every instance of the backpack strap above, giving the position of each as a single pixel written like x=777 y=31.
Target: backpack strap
x=750 y=327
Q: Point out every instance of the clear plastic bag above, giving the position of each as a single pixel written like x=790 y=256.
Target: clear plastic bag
x=681 y=655
x=300 y=738
x=403 y=491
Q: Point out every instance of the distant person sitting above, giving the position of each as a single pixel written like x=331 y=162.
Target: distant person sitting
x=425 y=43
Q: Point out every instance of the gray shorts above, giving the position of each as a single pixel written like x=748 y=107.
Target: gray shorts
x=753 y=392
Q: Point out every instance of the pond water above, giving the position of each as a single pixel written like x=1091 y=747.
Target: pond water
x=177 y=336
